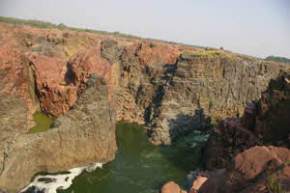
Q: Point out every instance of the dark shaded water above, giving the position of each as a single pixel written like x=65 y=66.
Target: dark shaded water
x=140 y=167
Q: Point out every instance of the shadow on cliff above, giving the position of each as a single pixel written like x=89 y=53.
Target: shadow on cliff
x=166 y=81
x=189 y=134
x=273 y=118
x=69 y=76
x=271 y=122
x=270 y=118
x=186 y=123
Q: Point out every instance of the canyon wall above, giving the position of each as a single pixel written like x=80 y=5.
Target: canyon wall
x=170 y=88
x=82 y=136
x=240 y=156
x=161 y=85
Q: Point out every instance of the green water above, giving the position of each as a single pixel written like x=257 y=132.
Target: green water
x=140 y=167
x=42 y=122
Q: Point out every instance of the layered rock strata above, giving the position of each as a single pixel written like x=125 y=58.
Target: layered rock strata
x=239 y=156
x=162 y=85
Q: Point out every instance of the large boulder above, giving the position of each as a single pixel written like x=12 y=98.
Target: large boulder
x=260 y=169
x=171 y=187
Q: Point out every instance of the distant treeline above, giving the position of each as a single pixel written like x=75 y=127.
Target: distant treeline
x=278 y=59
x=61 y=26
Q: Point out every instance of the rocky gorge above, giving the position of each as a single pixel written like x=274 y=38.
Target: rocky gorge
x=88 y=81
x=250 y=153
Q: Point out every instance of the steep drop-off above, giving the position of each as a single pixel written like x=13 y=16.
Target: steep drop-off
x=151 y=82
x=170 y=88
x=240 y=156
x=82 y=136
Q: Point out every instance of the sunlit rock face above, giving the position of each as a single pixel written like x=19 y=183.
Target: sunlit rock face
x=160 y=84
x=170 y=88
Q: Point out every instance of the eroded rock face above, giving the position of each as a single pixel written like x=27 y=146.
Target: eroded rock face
x=55 y=95
x=83 y=135
x=251 y=168
x=17 y=80
x=272 y=120
x=265 y=121
x=13 y=122
x=171 y=88
x=234 y=157
x=217 y=85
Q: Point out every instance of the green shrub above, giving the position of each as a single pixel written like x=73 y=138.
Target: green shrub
x=278 y=59
x=274 y=185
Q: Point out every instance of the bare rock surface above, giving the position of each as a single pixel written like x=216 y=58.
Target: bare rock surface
x=171 y=88
x=83 y=135
x=171 y=187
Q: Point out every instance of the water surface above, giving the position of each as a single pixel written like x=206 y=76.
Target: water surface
x=140 y=167
x=42 y=122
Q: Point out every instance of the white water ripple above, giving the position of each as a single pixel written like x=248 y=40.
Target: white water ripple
x=50 y=183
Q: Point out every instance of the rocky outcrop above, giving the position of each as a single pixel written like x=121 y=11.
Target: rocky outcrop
x=232 y=158
x=13 y=122
x=83 y=135
x=259 y=169
x=208 y=83
x=265 y=121
x=171 y=187
x=170 y=88
x=173 y=93
x=17 y=80
x=272 y=120
x=55 y=96
x=251 y=168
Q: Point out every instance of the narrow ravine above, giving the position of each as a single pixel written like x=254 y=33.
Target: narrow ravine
x=140 y=167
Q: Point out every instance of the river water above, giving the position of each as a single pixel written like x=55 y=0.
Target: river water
x=140 y=167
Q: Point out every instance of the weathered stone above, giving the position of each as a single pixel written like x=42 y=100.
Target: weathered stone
x=206 y=85
x=197 y=184
x=171 y=187
x=85 y=134
x=171 y=88
x=158 y=84
x=255 y=160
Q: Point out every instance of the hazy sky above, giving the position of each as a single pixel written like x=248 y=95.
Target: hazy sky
x=254 y=27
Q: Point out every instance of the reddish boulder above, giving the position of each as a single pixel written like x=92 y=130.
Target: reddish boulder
x=259 y=169
x=254 y=161
x=171 y=187
x=197 y=183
